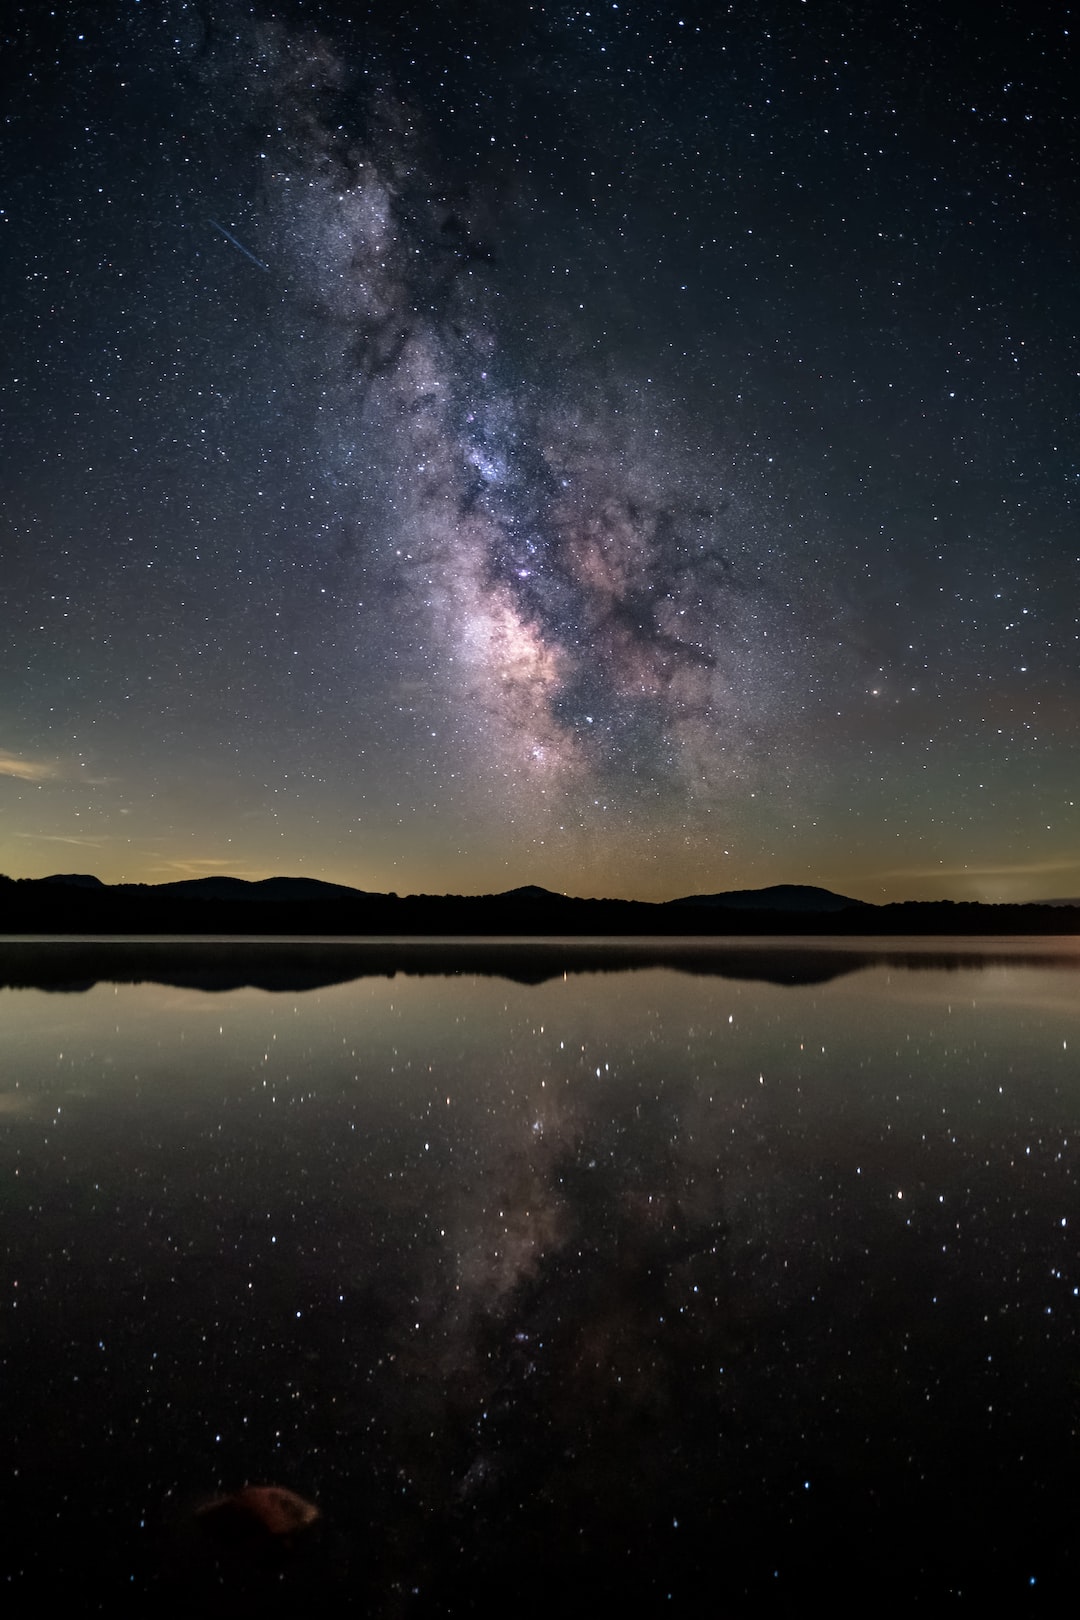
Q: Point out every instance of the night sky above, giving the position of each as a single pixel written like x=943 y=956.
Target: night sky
x=627 y=448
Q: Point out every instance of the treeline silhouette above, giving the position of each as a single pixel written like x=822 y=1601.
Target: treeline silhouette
x=83 y=906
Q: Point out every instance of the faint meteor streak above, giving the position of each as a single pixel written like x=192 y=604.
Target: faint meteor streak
x=229 y=237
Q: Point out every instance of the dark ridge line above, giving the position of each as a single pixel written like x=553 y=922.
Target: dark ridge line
x=78 y=904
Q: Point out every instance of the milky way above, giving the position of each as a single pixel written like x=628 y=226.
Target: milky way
x=572 y=580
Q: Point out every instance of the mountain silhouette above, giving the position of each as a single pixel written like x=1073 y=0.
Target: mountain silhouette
x=777 y=897
x=288 y=889
x=79 y=904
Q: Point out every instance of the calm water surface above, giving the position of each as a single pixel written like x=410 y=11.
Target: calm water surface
x=587 y=1280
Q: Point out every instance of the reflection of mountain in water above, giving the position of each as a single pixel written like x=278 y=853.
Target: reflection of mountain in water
x=77 y=965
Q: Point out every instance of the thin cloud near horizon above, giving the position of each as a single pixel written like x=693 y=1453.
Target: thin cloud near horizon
x=27 y=770
x=1016 y=869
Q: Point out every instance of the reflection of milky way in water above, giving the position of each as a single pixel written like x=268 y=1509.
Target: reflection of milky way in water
x=573 y=582
x=537 y=1291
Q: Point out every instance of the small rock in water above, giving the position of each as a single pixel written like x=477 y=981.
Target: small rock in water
x=258 y=1512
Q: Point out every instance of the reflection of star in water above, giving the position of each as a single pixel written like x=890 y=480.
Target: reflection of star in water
x=511 y=1214
x=577 y=1290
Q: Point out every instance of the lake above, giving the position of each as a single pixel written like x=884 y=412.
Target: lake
x=559 y=1276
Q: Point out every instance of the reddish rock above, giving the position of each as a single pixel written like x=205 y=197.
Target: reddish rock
x=258 y=1512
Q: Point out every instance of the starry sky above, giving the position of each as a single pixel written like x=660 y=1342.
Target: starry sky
x=627 y=448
